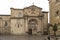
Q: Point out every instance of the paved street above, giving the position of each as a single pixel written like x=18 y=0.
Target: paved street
x=6 y=37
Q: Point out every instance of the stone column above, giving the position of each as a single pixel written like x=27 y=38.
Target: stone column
x=42 y=24
x=26 y=24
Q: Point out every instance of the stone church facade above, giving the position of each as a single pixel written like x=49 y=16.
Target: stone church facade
x=54 y=15
x=30 y=20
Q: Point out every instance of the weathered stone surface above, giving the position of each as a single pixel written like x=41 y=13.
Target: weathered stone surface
x=21 y=20
x=54 y=15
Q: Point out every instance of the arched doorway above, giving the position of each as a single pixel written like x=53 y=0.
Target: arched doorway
x=32 y=26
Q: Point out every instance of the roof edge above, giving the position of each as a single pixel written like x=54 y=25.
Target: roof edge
x=44 y=11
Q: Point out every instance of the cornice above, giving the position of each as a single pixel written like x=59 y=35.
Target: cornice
x=16 y=17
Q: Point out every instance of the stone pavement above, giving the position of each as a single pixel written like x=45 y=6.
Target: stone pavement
x=11 y=37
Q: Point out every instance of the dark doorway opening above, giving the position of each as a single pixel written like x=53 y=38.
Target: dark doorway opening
x=30 y=32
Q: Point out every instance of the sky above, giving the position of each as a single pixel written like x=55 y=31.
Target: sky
x=5 y=5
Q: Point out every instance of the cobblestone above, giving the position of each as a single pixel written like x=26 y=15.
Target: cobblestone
x=7 y=37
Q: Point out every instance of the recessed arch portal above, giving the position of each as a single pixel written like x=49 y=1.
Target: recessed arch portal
x=32 y=26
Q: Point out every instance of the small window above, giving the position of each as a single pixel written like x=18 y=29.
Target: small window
x=18 y=25
x=57 y=1
x=20 y=15
x=5 y=23
x=57 y=12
